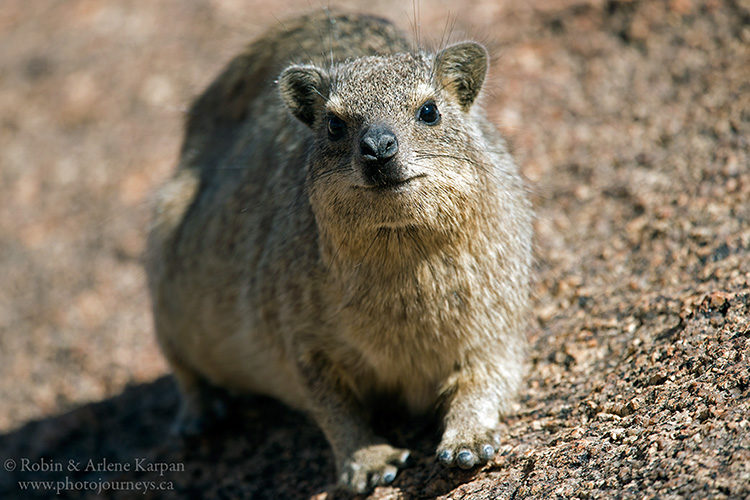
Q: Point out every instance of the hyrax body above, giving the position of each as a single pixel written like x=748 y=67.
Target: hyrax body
x=346 y=224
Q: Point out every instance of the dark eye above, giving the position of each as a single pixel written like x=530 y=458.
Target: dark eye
x=429 y=113
x=336 y=128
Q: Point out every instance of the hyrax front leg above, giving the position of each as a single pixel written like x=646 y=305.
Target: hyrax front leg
x=363 y=460
x=477 y=397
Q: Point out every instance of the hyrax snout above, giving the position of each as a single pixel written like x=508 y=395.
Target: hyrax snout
x=378 y=148
x=345 y=226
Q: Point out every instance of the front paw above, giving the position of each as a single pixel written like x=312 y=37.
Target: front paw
x=466 y=449
x=371 y=466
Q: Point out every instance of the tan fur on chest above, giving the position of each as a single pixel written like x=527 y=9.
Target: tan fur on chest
x=411 y=321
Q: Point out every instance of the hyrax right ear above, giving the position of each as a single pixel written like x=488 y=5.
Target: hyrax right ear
x=303 y=88
x=461 y=69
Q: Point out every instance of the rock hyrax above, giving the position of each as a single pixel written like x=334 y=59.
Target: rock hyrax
x=345 y=226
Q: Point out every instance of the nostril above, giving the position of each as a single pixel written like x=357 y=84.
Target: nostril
x=378 y=144
x=388 y=146
x=368 y=148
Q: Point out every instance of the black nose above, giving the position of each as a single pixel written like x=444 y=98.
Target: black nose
x=378 y=144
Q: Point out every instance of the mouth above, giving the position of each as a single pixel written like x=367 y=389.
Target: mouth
x=391 y=185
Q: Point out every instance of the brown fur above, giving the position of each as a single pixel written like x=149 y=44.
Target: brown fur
x=275 y=267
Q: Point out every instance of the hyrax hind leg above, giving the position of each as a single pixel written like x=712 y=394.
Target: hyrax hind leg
x=202 y=406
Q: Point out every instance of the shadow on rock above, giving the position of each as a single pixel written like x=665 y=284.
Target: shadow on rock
x=121 y=447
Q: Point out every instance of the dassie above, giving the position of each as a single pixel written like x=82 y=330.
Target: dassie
x=346 y=226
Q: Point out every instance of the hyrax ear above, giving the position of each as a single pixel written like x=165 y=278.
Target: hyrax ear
x=461 y=69
x=303 y=88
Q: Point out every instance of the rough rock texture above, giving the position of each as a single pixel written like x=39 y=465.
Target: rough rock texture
x=631 y=120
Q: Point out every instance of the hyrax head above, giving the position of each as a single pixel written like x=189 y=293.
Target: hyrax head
x=396 y=144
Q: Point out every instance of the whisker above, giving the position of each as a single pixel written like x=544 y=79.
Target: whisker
x=317 y=176
x=444 y=155
x=321 y=95
x=450 y=25
x=330 y=36
x=333 y=258
x=414 y=22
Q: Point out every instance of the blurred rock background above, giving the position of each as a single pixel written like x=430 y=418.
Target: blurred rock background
x=629 y=118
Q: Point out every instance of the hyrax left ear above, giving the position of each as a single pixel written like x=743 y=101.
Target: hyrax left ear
x=460 y=69
x=303 y=89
